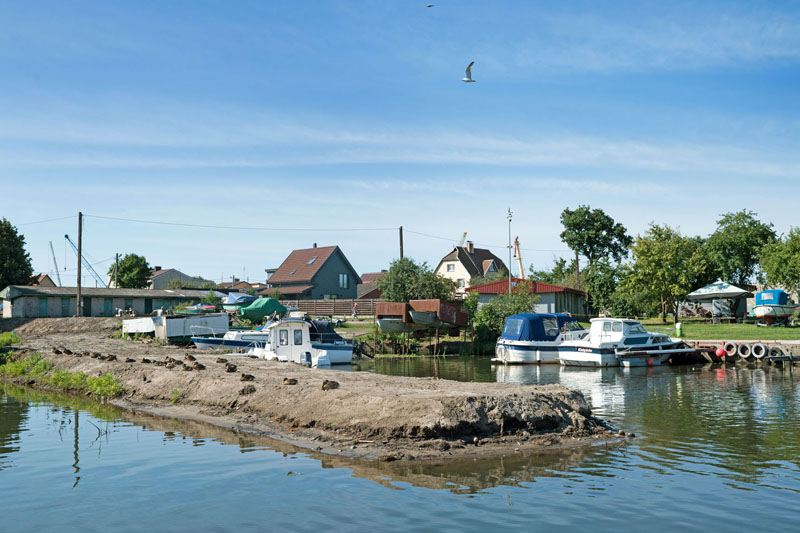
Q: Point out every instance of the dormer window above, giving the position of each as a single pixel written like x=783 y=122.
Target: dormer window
x=311 y=261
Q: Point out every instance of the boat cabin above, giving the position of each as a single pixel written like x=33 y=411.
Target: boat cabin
x=772 y=297
x=538 y=327
x=621 y=331
x=290 y=339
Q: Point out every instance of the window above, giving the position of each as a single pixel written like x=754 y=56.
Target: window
x=617 y=327
x=462 y=283
x=513 y=327
x=451 y=267
x=298 y=337
x=606 y=326
x=283 y=337
x=292 y=272
x=550 y=325
x=491 y=268
x=311 y=261
x=342 y=281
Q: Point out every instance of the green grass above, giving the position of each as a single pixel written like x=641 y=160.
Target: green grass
x=9 y=338
x=35 y=366
x=724 y=332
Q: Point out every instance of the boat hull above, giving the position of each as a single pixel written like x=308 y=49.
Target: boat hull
x=771 y=313
x=216 y=343
x=526 y=353
x=587 y=357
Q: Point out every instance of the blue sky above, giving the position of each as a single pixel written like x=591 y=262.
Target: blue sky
x=335 y=115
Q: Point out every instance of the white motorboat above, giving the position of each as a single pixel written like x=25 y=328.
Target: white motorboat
x=236 y=339
x=619 y=342
x=299 y=340
x=530 y=338
x=773 y=307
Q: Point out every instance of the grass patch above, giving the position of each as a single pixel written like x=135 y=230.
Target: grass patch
x=176 y=395
x=8 y=338
x=35 y=366
x=723 y=332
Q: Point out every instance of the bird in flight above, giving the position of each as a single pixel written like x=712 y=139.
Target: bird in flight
x=469 y=73
x=430 y=5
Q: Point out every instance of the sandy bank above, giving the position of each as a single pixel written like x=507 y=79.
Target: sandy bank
x=368 y=414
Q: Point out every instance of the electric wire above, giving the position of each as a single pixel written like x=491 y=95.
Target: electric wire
x=43 y=221
x=250 y=228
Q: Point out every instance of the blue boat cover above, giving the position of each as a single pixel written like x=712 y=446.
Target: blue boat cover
x=531 y=326
x=239 y=297
x=772 y=297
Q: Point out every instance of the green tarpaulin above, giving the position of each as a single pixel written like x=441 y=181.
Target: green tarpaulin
x=256 y=311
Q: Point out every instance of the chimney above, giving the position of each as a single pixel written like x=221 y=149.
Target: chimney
x=156 y=268
x=315 y=245
x=470 y=247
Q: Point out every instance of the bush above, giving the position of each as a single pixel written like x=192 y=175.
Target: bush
x=35 y=365
x=105 y=385
x=9 y=338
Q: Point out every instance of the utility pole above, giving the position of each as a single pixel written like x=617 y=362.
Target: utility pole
x=116 y=269
x=509 y=251
x=401 y=242
x=78 y=304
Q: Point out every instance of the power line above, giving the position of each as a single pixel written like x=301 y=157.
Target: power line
x=481 y=243
x=43 y=221
x=250 y=228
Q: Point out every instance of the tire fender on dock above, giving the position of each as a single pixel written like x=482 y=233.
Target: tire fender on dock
x=731 y=348
x=776 y=351
x=744 y=351
x=758 y=350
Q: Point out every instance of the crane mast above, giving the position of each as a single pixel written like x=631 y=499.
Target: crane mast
x=86 y=263
x=58 y=274
x=518 y=255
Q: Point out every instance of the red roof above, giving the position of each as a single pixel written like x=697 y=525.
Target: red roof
x=369 y=277
x=296 y=267
x=536 y=287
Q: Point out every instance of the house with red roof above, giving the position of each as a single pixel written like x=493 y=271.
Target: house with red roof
x=552 y=298
x=317 y=273
x=368 y=288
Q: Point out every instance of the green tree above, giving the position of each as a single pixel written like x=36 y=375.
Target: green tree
x=406 y=280
x=665 y=267
x=562 y=273
x=734 y=247
x=15 y=263
x=208 y=285
x=488 y=278
x=780 y=261
x=177 y=284
x=212 y=298
x=275 y=294
x=134 y=272
x=491 y=316
x=594 y=234
x=601 y=280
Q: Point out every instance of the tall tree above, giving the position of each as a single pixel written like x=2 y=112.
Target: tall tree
x=594 y=234
x=665 y=266
x=15 y=263
x=562 y=273
x=134 y=272
x=734 y=247
x=406 y=280
x=780 y=261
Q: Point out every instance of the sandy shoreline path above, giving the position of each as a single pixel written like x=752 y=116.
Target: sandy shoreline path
x=369 y=415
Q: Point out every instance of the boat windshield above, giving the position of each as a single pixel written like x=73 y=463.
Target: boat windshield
x=573 y=326
x=513 y=327
x=636 y=328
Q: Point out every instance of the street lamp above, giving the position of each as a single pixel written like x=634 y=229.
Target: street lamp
x=509 y=251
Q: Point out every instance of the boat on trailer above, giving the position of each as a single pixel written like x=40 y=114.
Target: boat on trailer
x=773 y=307
x=619 y=342
x=534 y=338
x=305 y=341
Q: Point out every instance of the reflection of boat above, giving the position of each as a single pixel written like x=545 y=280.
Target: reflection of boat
x=773 y=306
x=535 y=337
x=619 y=342
x=299 y=340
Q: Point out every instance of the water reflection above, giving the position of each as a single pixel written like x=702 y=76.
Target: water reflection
x=14 y=415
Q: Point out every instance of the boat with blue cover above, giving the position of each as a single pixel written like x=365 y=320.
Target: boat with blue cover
x=773 y=307
x=531 y=338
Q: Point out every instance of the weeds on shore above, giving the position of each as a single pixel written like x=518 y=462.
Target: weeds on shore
x=176 y=395
x=42 y=370
x=9 y=338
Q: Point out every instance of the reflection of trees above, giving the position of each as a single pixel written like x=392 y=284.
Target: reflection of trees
x=720 y=417
x=14 y=414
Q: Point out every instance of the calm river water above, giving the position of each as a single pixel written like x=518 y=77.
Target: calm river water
x=717 y=448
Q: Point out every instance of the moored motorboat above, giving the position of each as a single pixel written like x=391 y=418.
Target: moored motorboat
x=300 y=340
x=773 y=306
x=619 y=342
x=529 y=338
x=234 y=339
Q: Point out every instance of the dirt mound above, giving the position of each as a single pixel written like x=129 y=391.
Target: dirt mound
x=382 y=416
x=50 y=326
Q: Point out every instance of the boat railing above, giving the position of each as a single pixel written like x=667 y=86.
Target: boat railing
x=205 y=331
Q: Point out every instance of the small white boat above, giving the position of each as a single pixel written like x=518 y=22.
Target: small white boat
x=619 y=342
x=304 y=341
x=530 y=338
x=773 y=306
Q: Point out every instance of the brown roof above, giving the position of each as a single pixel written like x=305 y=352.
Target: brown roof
x=157 y=273
x=288 y=289
x=369 y=277
x=296 y=267
x=476 y=262
x=534 y=287
x=368 y=290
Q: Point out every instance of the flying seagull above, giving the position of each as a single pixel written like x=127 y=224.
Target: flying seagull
x=469 y=73
x=430 y=5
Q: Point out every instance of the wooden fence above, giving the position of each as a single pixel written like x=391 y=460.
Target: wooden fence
x=366 y=308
